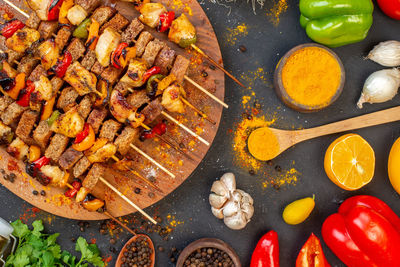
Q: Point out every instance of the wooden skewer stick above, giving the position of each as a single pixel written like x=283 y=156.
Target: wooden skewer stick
x=119 y=223
x=201 y=88
x=216 y=64
x=202 y=114
x=185 y=128
x=23 y=13
x=104 y=181
x=152 y=160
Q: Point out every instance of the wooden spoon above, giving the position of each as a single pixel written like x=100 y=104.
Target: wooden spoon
x=134 y=239
x=287 y=139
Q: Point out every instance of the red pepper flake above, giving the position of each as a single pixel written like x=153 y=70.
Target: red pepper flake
x=12 y=165
x=93 y=241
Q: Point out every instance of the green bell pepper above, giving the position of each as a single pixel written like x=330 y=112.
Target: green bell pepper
x=82 y=31
x=336 y=22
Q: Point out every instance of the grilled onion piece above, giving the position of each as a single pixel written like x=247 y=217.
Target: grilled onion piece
x=108 y=42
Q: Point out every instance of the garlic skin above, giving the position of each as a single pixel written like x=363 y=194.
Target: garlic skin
x=233 y=205
x=380 y=86
x=386 y=54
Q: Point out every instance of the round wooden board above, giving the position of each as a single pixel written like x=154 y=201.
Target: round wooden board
x=54 y=202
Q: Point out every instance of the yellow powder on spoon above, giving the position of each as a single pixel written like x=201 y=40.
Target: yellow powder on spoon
x=263 y=144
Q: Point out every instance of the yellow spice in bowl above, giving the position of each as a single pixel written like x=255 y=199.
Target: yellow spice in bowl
x=311 y=76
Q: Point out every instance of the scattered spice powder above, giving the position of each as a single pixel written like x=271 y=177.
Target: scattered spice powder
x=274 y=14
x=179 y=5
x=233 y=34
x=172 y=221
x=290 y=176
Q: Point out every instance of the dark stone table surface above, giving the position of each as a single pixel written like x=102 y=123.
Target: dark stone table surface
x=188 y=205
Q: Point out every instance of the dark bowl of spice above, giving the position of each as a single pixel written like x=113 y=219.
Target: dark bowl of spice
x=138 y=251
x=309 y=77
x=208 y=252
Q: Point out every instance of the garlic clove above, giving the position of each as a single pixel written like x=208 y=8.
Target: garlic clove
x=217 y=201
x=248 y=210
x=236 y=222
x=217 y=213
x=386 y=54
x=236 y=196
x=246 y=198
x=229 y=180
x=231 y=208
x=220 y=188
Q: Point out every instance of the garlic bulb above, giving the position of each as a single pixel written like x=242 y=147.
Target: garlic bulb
x=380 y=86
x=386 y=53
x=233 y=205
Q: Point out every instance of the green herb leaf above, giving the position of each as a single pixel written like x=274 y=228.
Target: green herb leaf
x=20 y=229
x=37 y=228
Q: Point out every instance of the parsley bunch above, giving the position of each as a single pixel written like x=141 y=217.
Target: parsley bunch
x=36 y=249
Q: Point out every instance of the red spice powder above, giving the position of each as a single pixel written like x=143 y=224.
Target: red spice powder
x=12 y=165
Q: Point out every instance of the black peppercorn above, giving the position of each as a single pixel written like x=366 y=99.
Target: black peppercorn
x=252 y=172
x=278 y=168
x=137 y=190
x=35 y=192
x=43 y=193
x=242 y=48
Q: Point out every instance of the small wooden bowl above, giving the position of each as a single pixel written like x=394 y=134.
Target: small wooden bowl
x=284 y=96
x=208 y=243
x=133 y=239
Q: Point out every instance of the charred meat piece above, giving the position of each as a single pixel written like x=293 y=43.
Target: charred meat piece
x=69 y=158
x=28 y=64
x=85 y=106
x=6 y=134
x=96 y=118
x=171 y=98
x=56 y=84
x=22 y=39
x=93 y=176
x=33 y=21
x=133 y=30
x=26 y=124
x=152 y=111
x=141 y=43
x=67 y=99
x=36 y=73
x=47 y=29
x=152 y=50
x=3 y=45
x=165 y=59
x=81 y=167
x=42 y=134
x=69 y=123
x=120 y=108
x=5 y=101
x=89 y=59
x=181 y=65
x=82 y=80
x=138 y=98
x=97 y=68
x=103 y=14
x=18 y=149
x=122 y=88
x=12 y=113
x=118 y=23
x=62 y=37
x=127 y=137
x=134 y=75
x=13 y=56
x=57 y=146
x=109 y=130
x=111 y=74
x=76 y=48
x=88 y=5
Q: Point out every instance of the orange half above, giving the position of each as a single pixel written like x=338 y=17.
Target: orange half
x=350 y=162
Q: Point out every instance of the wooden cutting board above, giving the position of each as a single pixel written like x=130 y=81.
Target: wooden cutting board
x=210 y=78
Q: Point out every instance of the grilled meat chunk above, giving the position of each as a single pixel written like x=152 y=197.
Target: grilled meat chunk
x=152 y=50
x=171 y=98
x=48 y=53
x=96 y=118
x=181 y=65
x=69 y=158
x=165 y=59
x=103 y=14
x=85 y=106
x=118 y=23
x=3 y=45
x=93 y=176
x=42 y=134
x=111 y=74
x=81 y=167
x=62 y=37
x=26 y=124
x=89 y=59
x=69 y=123
x=12 y=113
x=5 y=101
x=97 y=68
x=56 y=175
x=28 y=64
x=57 y=146
x=152 y=110
x=88 y=5
x=138 y=98
x=120 y=108
x=109 y=130
x=47 y=29
x=13 y=56
x=150 y=13
x=103 y=154
x=82 y=80
x=141 y=43
x=18 y=149
x=134 y=75
x=76 y=48
x=33 y=21
x=133 y=30
x=67 y=99
x=128 y=136
x=37 y=73
x=22 y=39
x=56 y=84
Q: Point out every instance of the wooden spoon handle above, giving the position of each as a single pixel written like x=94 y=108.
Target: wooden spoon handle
x=371 y=119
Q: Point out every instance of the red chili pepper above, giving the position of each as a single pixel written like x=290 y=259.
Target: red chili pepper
x=62 y=64
x=54 y=9
x=365 y=232
x=39 y=163
x=166 y=20
x=23 y=99
x=82 y=135
x=73 y=191
x=116 y=55
x=150 y=72
x=266 y=253
x=311 y=254
x=10 y=27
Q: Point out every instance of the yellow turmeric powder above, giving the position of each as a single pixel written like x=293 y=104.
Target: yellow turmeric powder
x=263 y=144
x=311 y=76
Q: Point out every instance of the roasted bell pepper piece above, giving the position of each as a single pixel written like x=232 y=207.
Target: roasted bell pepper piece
x=54 y=116
x=93 y=205
x=54 y=9
x=39 y=163
x=150 y=72
x=139 y=3
x=48 y=109
x=25 y=95
x=336 y=22
x=165 y=83
x=82 y=31
x=266 y=253
x=115 y=55
x=19 y=84
x=10 y=27
x=34 y=153
x=365 y=232
x=85 y=139
x=99 y=143
x=166 y=20
x=158 y=129
x=311 y=254
x=93 y=35
x=76 y=185
x=66 y=5
x=152 y=85
x=60 y=68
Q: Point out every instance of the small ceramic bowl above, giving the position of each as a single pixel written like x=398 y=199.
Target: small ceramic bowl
x=208 y=243
x=284 y=96
x=133 y=239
